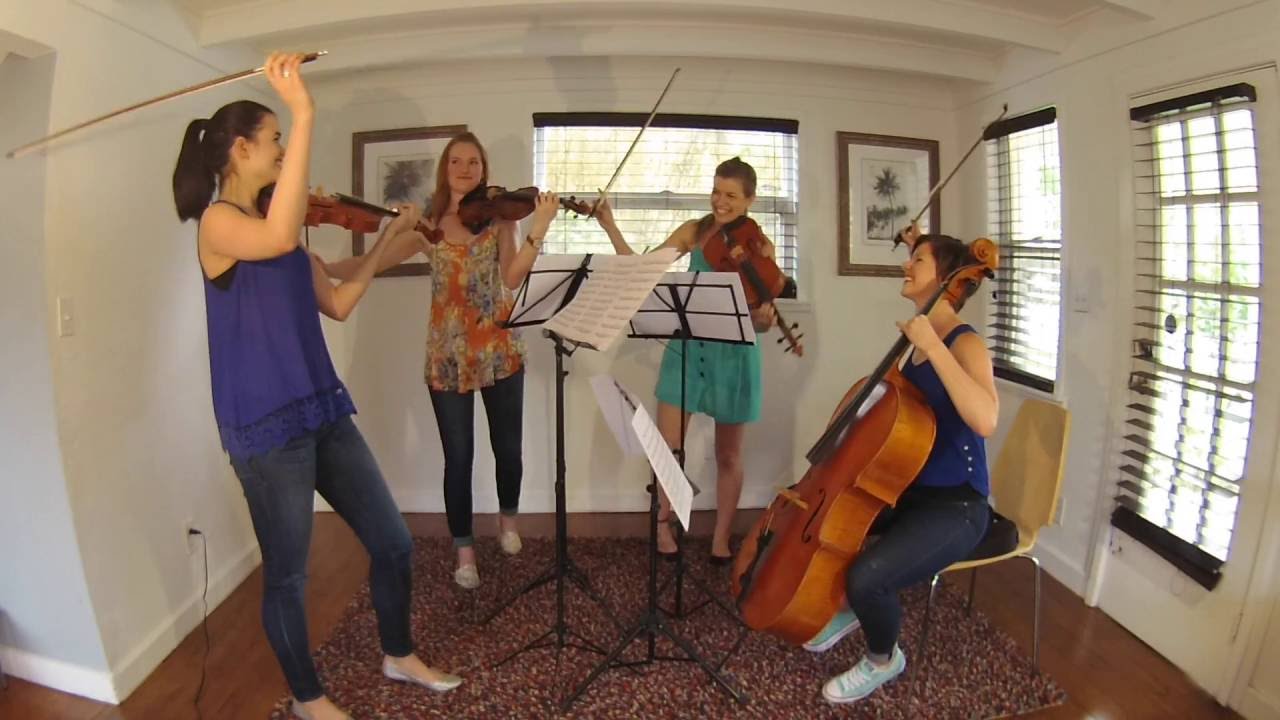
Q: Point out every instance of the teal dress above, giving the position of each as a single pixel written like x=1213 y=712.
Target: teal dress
x=721 y=379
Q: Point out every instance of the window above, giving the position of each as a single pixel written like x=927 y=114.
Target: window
x=667 y=180
x=1195 y=317
x=1024 y=217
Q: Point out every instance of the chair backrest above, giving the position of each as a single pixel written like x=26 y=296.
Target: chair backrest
x=1027 y=476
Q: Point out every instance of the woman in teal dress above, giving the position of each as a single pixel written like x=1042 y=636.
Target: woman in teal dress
x=721 y=380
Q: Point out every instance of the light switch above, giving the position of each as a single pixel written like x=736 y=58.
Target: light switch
x=66 y=319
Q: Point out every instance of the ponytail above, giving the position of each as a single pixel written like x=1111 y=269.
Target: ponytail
x=193 y=181
x=206 y=152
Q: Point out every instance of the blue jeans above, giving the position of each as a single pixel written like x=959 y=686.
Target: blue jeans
x=279 y=487
x=928 y=530
x=455 y=417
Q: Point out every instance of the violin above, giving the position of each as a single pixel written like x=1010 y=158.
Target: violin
x=346 y=211
x=739 y=247
x=488 y=203
x=788 y=576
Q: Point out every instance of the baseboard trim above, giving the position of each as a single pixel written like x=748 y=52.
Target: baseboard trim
x=147 y=655
x=581 y=524
x=59 y=675
x=1062 y=568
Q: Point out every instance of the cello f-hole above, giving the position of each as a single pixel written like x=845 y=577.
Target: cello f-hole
x=822 y=500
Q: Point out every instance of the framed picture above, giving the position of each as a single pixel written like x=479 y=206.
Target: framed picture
x=389 y=167
x=884 y=181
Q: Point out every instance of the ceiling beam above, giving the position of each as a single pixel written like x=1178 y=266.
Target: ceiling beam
x=1141 y=9
x=247 y=23
x=21 y=46
x=653 y=40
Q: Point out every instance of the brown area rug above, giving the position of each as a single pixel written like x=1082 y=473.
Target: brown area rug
x=976 y=671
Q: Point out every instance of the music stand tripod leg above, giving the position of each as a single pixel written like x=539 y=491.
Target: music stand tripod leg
x=651 y=624
x=563 y=567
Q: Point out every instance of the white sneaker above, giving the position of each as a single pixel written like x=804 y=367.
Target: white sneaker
x=510 y=542
x=467 y=577
x=863 y=679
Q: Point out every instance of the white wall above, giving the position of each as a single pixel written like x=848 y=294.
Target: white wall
x=131 y=391
x=1091 y=86
x=46 y=617
x=847 y=321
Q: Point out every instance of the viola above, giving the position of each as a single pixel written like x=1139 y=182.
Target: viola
x=739 y=247
x=488 y=203
x=788 y=576
x=347 y=211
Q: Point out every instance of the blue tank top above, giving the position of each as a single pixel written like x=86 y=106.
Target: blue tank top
x=959 y=454
x=269 y=367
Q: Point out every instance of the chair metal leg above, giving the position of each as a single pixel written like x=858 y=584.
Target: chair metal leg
x=973 y=582
x=1035 y=617
x=923 y=651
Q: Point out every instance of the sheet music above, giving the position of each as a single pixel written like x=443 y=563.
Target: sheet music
x=636 y=433
x=601 y=310
x=618 y=405
x=670 y=476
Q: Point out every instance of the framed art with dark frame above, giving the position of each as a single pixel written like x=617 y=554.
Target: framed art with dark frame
x=389 y=167
x=883 y=180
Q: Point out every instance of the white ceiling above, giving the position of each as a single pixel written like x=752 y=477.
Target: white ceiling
x=952 y=39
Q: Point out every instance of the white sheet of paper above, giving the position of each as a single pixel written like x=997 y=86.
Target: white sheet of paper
x=670 y=476
x=618 y=405
x=617 y=286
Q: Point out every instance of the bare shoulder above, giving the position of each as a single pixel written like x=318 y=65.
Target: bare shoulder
x=685 y=236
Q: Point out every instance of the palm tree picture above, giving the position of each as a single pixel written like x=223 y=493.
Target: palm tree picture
x=405 y=180
x=884 y=213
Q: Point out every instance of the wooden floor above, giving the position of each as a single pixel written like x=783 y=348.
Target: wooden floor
x=1107 y=672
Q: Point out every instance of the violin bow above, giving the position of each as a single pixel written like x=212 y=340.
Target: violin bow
x=636 y=141
x=23 y=150
x=933 y=194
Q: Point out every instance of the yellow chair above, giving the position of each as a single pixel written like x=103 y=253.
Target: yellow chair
x=1025 y=483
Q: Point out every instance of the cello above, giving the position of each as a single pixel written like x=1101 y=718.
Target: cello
x=788 y=576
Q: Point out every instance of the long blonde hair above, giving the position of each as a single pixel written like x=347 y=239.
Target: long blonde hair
x=440 y=198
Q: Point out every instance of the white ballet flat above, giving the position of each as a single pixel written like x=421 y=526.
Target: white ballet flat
x=448 y=683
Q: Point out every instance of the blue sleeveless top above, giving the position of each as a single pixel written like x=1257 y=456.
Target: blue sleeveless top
x=959 y=454
x=270 y=370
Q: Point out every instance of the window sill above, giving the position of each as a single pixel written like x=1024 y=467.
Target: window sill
x=1027 y=392
x=802 y=307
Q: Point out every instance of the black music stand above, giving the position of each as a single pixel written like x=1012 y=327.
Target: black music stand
x=550 y=285
x=717 y=312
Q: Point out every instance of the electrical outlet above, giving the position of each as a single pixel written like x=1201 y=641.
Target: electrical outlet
x=187 y=537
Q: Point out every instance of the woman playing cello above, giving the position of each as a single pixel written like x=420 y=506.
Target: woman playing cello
x=942 y=516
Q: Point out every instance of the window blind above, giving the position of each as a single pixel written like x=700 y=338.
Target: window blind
x=668 y=178
x=1196 y=310
x=1024 y=217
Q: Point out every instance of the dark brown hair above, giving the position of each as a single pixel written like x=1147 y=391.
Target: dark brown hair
x=949 y=254
x=206 y=151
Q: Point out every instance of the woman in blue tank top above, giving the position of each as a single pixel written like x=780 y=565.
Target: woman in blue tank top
x=283 y=415
x=943 y=514
x=720 y=380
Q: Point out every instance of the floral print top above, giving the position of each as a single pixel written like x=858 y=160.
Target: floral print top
x=467 y=348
